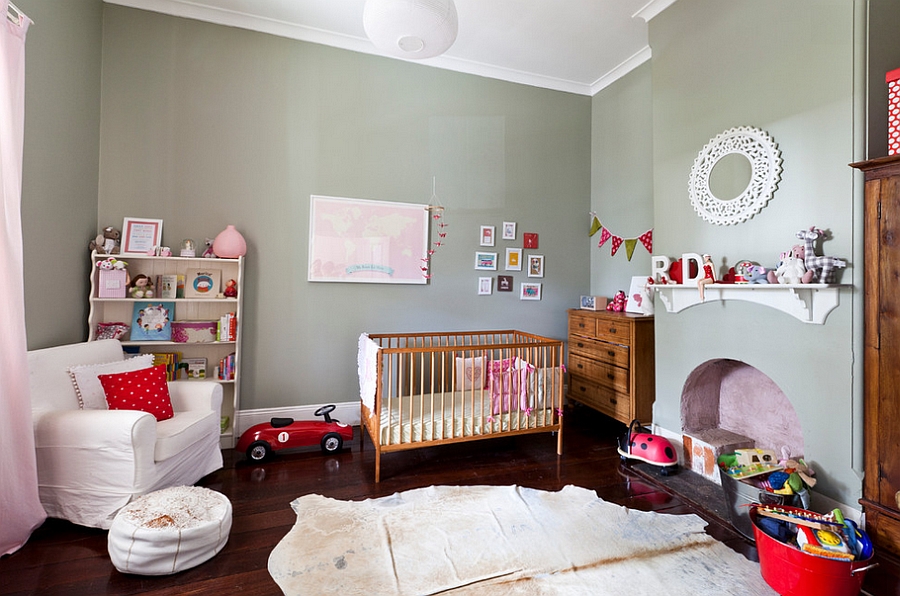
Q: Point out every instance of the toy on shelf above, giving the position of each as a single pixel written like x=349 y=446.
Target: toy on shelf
x=618 y=302
x=791 y=267
x=106 y=242
x=708 y=277
x=111 y=264
x=747 y=463
x=230 y=289
x=208 y=253
x=757 y=274
x=140 y=287
x=819 y=269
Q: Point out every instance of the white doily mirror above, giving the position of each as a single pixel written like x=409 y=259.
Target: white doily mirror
x=735 y=175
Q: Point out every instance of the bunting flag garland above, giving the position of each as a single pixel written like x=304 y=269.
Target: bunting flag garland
x=604 y=236
x=646 y=239
x=616 y=243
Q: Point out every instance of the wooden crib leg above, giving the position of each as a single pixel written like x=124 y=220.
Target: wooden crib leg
x=377 y=465
x=559 y=439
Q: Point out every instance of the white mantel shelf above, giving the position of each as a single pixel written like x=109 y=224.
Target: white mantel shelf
x=810 y=303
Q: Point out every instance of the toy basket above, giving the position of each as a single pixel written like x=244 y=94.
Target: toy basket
x=792 y=572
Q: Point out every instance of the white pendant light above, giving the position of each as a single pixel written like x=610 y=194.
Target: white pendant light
x=411 y=29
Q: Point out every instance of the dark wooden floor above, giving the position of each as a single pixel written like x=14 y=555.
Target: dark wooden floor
x=61 y=558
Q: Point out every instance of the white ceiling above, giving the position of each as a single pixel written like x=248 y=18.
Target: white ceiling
x=578 y=46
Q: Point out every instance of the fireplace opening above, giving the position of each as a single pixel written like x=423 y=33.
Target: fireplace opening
x=726 y=405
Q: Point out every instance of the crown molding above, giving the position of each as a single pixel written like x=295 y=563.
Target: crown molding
x=653 y=8
x=229 y=18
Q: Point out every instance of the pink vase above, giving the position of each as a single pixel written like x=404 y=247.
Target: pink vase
x=229 y=244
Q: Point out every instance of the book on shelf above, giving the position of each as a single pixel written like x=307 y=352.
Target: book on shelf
x=167 y=286
x=152 y=321
x=195 y=367
x=227 y=367
x=172 y=362
x=202 y=283
x=227 y=329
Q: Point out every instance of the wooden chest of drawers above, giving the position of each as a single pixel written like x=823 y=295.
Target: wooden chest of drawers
x=611 y=363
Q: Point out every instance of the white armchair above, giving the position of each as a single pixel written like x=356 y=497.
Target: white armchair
x=91 y=463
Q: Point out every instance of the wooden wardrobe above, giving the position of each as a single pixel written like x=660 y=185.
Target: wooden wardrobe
x=881 y=486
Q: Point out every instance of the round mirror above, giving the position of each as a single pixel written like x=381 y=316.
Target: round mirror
x=735 y=175
x=730 y=176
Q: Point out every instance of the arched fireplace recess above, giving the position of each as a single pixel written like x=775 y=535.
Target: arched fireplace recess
x=728 y=404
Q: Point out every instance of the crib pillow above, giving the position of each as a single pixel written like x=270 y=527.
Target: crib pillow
x=470 y=373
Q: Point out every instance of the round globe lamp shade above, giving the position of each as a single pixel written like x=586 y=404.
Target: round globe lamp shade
x=229 y=244
x=411 y=29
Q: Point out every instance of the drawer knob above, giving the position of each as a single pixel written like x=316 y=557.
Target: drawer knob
x=579 y=366
x=582 y=388
x=580 y=345
x=612 y=329
x=610 y=376
x=611 y=353
x=613 y=401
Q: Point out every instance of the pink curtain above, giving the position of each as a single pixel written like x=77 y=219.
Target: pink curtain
x=20 y=508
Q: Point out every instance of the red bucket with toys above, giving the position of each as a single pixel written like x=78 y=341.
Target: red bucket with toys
x=793 y=572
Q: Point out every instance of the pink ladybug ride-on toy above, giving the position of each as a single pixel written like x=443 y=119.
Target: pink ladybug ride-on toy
x=261 y=440
x=640 y=444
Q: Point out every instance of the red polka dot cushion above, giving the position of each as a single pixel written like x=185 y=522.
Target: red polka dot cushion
x=145 y=390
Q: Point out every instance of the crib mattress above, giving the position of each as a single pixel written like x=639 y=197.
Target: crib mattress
x=451 y=415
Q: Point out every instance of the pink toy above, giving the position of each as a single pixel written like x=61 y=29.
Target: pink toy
x=618 y=302
x=819 y=269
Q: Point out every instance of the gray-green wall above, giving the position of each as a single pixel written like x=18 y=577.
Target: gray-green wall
x=621 y=178
x=793 y=70
x=204 y=126
x=60 y=164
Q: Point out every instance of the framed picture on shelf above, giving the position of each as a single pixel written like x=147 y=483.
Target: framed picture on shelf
x=509 y=230
x=139 y=236
x=530 y=291
x=535 y=265
x=202 y=283
x=485 y=285
x=152 y=321
x=487 y=235
x=486 y=261
x=513 y=259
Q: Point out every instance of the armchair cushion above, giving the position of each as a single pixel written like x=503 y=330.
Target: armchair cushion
x=87 y=386
x=145 y=390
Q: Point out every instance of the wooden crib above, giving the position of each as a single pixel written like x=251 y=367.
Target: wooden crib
x=425 y=389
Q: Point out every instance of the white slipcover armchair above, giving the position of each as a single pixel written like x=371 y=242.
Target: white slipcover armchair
x=91 y=463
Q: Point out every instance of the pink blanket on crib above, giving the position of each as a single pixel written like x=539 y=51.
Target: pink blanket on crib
x=508 y=381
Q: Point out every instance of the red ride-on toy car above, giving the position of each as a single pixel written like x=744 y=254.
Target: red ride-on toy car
x=261 y=440
x=640 y=444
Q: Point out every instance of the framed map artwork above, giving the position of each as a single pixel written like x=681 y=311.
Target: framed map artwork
x=365 y=241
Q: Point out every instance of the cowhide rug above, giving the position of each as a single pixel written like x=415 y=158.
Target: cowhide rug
x=502 y=540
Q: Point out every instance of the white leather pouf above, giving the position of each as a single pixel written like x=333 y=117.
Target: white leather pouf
x=169 y=530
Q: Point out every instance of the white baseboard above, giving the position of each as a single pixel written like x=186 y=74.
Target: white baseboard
x=346 y=412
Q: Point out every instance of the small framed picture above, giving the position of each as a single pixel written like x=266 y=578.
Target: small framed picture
x=530 y=291
x=530 y=240
x=486 y=261
x=535 y=265
x=487 y=235
x=509 y=230
x=485 y=285
x=513 y=259
x=504 y=283
x=139 y=236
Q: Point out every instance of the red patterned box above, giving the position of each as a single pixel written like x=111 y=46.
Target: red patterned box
x=193 y=332
x=893 y=81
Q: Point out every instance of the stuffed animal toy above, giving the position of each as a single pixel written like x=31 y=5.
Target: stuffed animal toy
x=208 y=253
x=140 y=287
x=618 y=302
x=111 y=263
x=107 y=242
x=757 y=275
x=791 y=270
x=819 y=269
